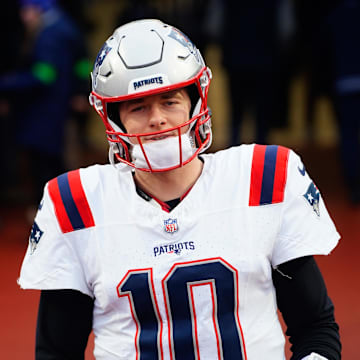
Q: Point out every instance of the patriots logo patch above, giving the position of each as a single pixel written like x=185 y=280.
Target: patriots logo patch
x=312 y=196
x=35 y=237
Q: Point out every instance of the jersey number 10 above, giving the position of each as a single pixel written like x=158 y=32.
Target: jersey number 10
x=178 y=289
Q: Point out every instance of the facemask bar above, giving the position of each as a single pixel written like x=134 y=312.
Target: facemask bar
x=115 y=138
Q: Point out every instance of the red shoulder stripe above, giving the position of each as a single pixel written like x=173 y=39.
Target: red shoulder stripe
x=60 y=211
x=280 y=174
x=257 y=169
x=71 y=206
x=268 y=174
x=80 y=199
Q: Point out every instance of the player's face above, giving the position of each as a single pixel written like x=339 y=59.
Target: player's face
x=156 y=113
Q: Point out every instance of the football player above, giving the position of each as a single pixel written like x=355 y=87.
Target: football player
x=168 y=252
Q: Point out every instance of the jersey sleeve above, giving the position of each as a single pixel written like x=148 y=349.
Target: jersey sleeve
x=306 y=227
x=53 y=258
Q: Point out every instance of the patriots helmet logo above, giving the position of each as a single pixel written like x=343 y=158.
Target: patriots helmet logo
x=99 y=60
x=35 y=237
x=185 y=41
x=312 y=196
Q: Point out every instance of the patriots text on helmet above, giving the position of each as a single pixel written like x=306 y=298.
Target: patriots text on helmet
x=153 y=80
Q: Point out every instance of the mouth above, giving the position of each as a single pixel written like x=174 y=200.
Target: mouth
x=157 y=138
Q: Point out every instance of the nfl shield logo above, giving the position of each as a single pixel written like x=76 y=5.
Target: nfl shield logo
x=171 y=226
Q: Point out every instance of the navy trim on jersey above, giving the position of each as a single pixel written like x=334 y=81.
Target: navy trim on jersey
x=268 y=175
x=69 y=203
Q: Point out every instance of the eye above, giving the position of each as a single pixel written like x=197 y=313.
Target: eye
x=136 y=108
x=171 y=102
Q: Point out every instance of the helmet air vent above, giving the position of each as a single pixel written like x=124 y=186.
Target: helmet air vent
x=139 y=50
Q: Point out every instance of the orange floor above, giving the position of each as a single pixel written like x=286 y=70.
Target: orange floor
x=18 y=308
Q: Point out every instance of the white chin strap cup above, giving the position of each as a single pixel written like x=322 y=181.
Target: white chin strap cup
x=163 y=154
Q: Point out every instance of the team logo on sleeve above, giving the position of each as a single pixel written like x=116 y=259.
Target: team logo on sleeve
x=171 y=226
x=312 y=196
x=35 y=237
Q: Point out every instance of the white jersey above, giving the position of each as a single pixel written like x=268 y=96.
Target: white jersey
x=193 y=283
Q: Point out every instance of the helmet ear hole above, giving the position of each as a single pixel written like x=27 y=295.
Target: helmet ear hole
x=113 y=114
x=194 y=96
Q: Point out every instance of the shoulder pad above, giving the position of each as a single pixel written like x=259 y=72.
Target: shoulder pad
x=71 y=206
x=268 y=174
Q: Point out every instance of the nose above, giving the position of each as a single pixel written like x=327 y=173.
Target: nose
x=156 y=116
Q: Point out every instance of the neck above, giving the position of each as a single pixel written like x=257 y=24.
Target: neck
x=169 y=185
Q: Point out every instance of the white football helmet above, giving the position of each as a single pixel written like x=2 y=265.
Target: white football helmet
x=143 y=58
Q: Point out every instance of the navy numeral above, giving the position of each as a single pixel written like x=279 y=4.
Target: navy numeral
x=178 y=286
x=138 y=286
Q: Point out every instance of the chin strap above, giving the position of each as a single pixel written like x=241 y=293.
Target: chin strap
x=314 y=356
x=112 y=155
x=113 y=150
